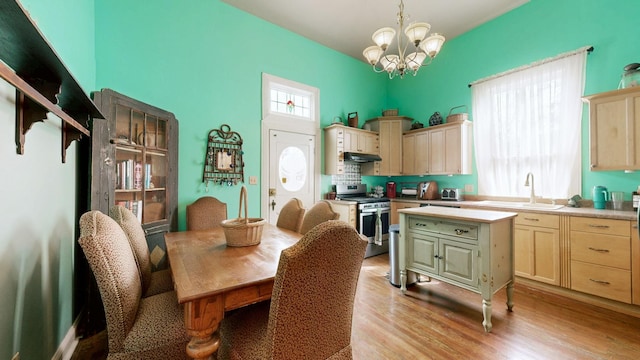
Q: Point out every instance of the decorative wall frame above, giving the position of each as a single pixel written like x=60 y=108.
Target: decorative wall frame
x=223 y=164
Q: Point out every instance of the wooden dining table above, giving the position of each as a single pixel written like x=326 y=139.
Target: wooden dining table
x=211 y=278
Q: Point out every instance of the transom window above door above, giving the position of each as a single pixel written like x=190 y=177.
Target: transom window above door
x=286 y=101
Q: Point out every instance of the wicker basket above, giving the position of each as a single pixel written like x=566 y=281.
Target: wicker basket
x=456 y=118
x=390 y=112
x=243 y=231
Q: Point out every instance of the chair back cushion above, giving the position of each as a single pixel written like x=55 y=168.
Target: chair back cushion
x=313 y=294
x=291 y=215
x=319 y=212
x=205 y=213
x=111 y=259
x=137 y=239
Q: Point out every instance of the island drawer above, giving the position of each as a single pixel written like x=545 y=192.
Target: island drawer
x=458 y=230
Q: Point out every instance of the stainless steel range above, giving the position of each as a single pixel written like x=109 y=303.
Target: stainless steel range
x=372 y=216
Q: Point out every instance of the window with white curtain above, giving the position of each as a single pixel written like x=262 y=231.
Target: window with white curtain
x=529 y=121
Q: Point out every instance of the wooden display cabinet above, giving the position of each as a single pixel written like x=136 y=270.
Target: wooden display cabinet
x=134 y=164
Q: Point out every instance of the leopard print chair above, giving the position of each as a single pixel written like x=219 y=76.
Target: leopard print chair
x=137 y=328
x=205 y=213
x=152 y=282
x=311 y=309
x=319 y=212
x=291 y=215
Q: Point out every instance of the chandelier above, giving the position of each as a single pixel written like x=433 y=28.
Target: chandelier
x=400 y=64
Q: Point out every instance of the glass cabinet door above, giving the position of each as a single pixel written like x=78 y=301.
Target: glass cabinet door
x=141 y=163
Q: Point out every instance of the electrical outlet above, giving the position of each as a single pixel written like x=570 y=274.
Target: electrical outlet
x=253 y=180
x=468 y=188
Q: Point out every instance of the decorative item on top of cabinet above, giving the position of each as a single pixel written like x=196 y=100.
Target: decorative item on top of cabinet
x=614 y=130
x=223 y=164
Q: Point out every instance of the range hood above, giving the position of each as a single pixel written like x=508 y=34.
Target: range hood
x=360 y=157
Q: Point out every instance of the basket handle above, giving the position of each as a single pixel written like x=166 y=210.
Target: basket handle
x=243 y=195
x=456 y=107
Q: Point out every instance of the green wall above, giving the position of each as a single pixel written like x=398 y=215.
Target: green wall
x=203 y=60
x=534 y=31
x=37 y=236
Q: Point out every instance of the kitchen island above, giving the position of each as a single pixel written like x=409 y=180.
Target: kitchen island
x=469 y=248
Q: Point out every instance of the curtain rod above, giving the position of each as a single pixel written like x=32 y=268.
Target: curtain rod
x=588 y=49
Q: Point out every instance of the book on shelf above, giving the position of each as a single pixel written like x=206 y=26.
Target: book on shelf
x=129 y=175
x=135 y=206
x=147 y=176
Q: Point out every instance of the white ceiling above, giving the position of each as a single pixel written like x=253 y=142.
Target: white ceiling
x=347 y=25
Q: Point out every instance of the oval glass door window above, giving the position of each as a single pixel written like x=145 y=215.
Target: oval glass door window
x=293 y=168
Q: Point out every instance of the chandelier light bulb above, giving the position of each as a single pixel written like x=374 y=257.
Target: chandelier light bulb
x=432 y=45
x=416 y=32
x=372 y=54
x=415 y=60
x=383 y=37
x=390 y=62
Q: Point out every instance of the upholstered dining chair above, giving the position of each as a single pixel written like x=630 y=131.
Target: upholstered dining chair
x=137 y=328
x=311 y=309
x=152 y=282
x=205 y=213
x=291 y=215
x=318 y=213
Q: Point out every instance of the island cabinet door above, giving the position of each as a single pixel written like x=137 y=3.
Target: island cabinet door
x=422 y=252
x=458 y=262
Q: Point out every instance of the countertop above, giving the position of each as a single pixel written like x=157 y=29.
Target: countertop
x=627 y=214
x=477 y=215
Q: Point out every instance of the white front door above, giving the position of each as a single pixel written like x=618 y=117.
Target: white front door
x=290 y=155
x=291 y=166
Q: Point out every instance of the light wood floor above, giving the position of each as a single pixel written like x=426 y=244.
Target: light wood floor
x=435 y=320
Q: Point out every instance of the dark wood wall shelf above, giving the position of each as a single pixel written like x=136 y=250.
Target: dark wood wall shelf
x=42 y=81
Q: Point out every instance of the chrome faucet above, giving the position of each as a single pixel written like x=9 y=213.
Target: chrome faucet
x=532 y=197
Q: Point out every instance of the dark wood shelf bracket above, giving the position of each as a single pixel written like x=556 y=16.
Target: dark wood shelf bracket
x=43 y=84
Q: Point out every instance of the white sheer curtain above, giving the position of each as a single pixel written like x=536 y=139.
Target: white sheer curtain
x=529 y=120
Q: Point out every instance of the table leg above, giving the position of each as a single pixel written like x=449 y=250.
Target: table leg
x=202 y=318
x=486 y=312
x=403 y=281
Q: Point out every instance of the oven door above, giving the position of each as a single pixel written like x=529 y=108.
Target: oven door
x=368 y=221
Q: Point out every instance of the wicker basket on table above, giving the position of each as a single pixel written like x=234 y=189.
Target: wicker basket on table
x=243 y=231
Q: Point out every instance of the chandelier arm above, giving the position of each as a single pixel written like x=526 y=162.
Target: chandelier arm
x=375 y=69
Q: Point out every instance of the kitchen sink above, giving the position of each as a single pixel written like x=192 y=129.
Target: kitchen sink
x=520 y=205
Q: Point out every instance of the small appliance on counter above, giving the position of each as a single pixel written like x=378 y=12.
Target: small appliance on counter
x=428 y=190
x=452 y=194
x=600 y=197
x=391 y=189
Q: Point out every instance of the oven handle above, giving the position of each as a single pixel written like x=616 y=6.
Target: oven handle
x=373 y=211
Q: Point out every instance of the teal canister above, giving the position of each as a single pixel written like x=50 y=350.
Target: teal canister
x=600 y=197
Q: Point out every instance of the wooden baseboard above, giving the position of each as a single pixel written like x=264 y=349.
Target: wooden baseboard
x=617 y=306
